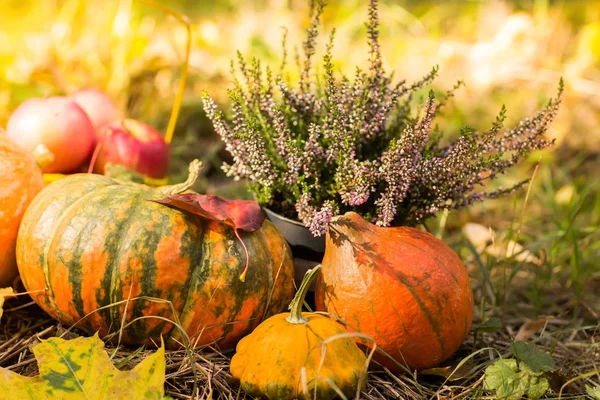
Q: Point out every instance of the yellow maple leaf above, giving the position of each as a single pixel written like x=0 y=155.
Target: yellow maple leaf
x=3 y=293
x=79 y=369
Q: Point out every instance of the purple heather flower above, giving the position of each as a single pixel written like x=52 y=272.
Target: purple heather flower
x=332 y=144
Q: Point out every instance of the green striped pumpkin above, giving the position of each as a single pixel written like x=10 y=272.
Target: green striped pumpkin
x=88 y=243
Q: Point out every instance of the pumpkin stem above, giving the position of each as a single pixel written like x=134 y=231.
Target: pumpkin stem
x=195 y=168
x=295 y=307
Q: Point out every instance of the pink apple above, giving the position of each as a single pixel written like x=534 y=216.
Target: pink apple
x=59 y=124
x=135 y=145
x=101 y=109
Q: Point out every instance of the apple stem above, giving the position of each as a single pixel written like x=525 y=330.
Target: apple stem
x=184 y=69
x=96 y=152
x=43 y=156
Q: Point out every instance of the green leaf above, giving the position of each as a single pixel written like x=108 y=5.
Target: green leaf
x=534 y=385
x=80 y=369
x=491 y=325
x=593 y=392
x=503 y=378
x=509 y=382
x=533 y=358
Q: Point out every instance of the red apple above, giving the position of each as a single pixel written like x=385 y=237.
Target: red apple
x=59 y=124
x=135 y=145
x=101 y=109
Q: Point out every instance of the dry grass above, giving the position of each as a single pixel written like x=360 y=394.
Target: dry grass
x=572 y=337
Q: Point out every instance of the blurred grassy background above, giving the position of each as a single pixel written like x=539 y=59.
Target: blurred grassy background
x=507 y=52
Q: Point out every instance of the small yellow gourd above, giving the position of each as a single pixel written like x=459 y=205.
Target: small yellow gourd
x=304 y=356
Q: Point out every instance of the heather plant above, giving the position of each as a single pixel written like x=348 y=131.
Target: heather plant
x=330 y=144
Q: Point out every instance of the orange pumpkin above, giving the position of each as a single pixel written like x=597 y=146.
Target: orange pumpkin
x=402 y=286
x=300 y=356
x=20 y=180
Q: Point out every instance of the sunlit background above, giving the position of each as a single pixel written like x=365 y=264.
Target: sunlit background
x=506 y=52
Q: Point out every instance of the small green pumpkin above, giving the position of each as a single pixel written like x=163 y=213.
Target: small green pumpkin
x=304 y=356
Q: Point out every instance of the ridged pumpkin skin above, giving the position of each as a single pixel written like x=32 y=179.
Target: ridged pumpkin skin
x=269 y=361
x=20 y=180
x=402 y=286
x=93 y=241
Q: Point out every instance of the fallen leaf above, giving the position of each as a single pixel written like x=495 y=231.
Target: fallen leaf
x=593 y=392
x=533 y=358
x=4 y=293
x=565 y=194
x=502 y=378
x=512 y=249
x=536 y=385
x=490 y=325
x=508 y=381
x=451 y=372
x=80 y=369
x=485 y=241
x=529 y=329
x=478 y=234
x=239 y=214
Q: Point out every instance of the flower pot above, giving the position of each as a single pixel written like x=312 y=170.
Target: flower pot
x=307 y=250
x=302 y=242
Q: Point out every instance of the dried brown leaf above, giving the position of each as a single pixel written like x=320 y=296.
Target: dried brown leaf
x=530 y=328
